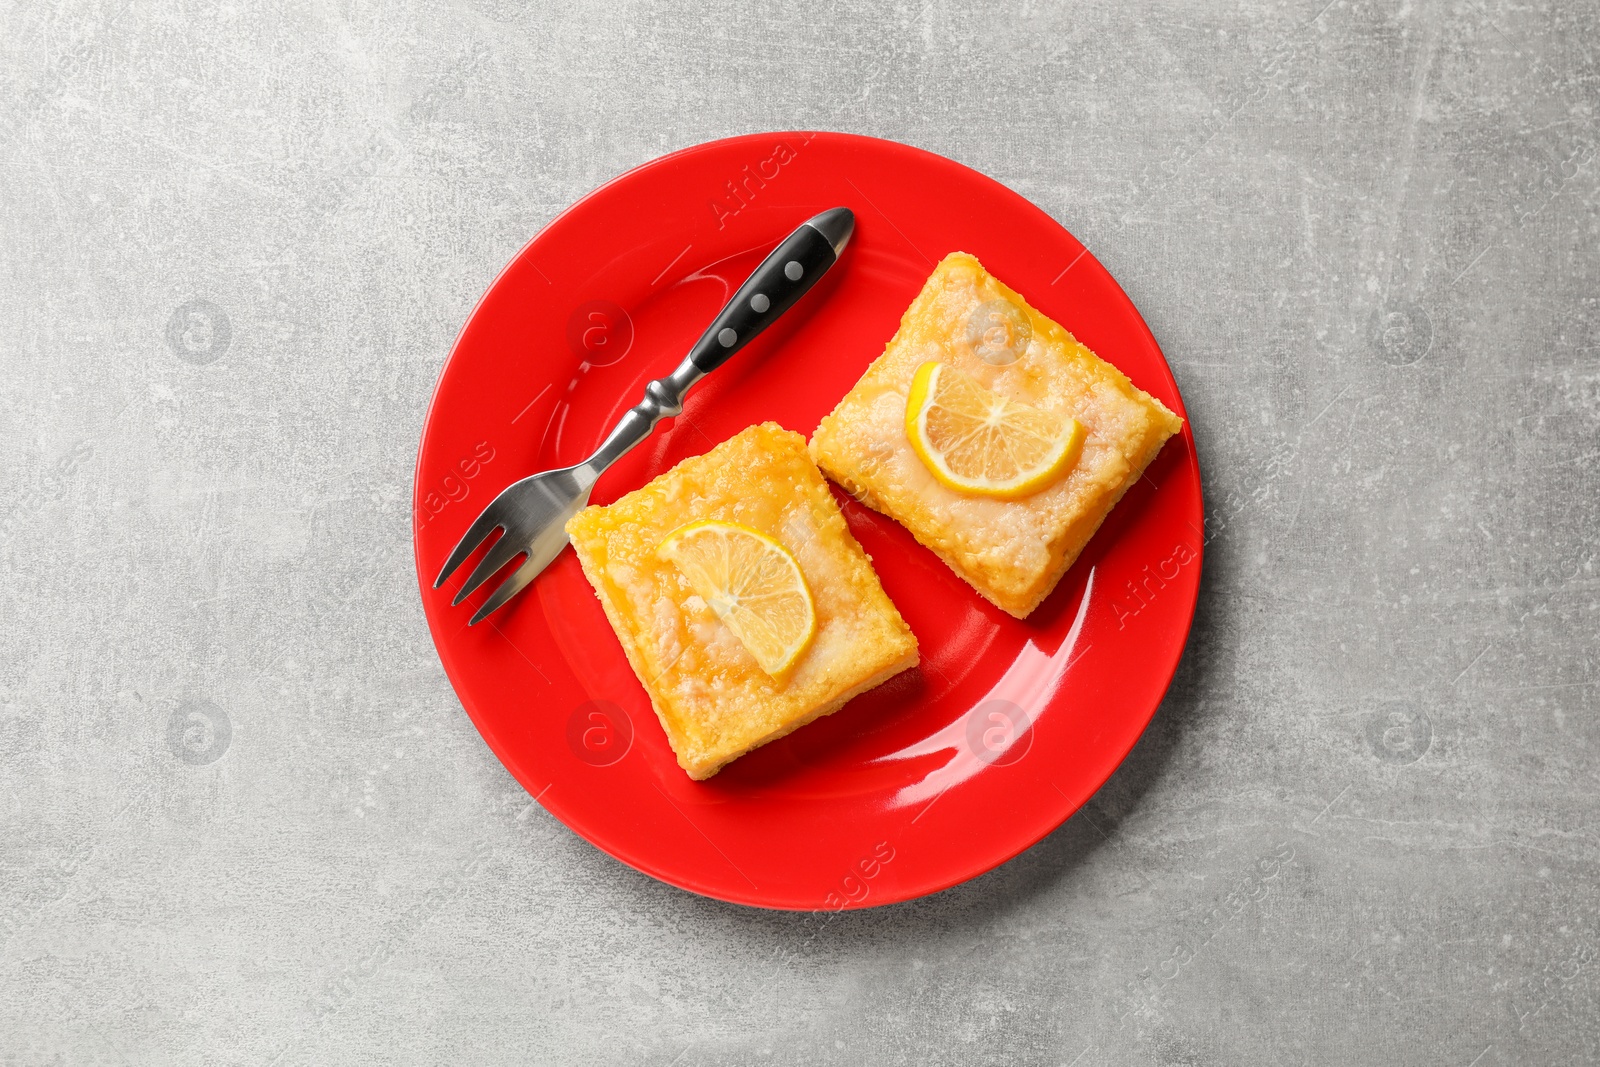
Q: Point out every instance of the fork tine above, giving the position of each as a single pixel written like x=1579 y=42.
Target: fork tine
x=485 y=524
x=500 y=553
x=514 y=584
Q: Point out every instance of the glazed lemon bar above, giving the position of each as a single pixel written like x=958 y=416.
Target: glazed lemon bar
x=995 y=437
x=743 y=603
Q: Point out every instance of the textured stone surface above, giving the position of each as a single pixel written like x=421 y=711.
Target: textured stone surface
x=242 y=816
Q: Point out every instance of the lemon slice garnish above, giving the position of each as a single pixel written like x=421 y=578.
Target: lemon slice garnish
x=753 y=585
x=975 y=440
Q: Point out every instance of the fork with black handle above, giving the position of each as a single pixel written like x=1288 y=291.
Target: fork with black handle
x=531 y=515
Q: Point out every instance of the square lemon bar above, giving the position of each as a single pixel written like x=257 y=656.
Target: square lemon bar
x=1013 y=551
x=714 y=699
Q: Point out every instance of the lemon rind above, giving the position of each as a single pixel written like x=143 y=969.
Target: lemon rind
x=665 y=550
x=923 y=388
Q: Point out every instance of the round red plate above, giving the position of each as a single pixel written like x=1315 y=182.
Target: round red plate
x=948 y=770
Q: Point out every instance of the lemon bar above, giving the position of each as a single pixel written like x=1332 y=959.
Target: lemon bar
x=1013 y=551
x=714 y=699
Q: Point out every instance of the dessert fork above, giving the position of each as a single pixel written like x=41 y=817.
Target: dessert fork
x=531 y=515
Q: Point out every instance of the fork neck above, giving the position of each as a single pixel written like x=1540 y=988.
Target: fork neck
x=663 y=399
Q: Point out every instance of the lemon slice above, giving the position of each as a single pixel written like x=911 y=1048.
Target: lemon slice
x=977 y=441
x=752 y=583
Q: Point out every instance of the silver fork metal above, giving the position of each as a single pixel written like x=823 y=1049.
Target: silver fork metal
x=531 y=515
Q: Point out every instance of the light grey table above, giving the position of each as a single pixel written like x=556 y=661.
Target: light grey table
x=243 y=818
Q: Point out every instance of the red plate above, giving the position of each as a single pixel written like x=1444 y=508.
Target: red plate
x=948 y=770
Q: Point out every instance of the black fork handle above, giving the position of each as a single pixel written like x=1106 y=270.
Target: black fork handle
x=786 y=275
x=791 y=269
